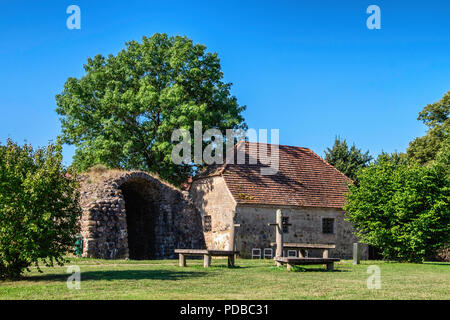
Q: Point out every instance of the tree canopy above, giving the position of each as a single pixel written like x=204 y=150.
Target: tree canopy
x=123 y=111
x=345 y=159
x=436 y=117
x=401 y=203
x=402 y=209
x=39 y=210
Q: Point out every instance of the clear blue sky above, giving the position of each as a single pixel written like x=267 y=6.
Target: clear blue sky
x=310 y=68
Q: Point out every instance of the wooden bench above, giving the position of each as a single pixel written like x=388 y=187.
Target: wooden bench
x=290 y=261
x=207 y=254
x=299 y=246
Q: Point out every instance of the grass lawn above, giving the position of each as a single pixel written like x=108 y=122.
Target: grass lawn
x=250 y=279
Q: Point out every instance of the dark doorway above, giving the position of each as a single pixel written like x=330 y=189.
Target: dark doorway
x=375 y=253
x=141 y=212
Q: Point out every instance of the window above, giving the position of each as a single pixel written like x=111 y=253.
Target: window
x=207 y=223
x=285 y=223
x=327 y=225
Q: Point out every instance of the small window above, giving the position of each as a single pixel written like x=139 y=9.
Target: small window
x=285 y=223
x=327 y=225
x=207 y=223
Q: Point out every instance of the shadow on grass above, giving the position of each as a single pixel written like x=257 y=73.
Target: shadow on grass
x=319 y=270
x=218 y=267
x=302 y=269
x=120 y=275
x=437 y=263
x=227 y=267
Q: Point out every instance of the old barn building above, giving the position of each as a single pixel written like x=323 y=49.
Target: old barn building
x=136 y=215
x=310 y=192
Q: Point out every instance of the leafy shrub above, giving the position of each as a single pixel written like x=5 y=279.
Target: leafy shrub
x=39 y=211
x=402 y=209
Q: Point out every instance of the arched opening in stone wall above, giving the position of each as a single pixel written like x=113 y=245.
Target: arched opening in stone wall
x=142 y=210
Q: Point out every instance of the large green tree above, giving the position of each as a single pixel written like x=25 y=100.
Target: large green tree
x=345 y=159
x=436 y=117
x=39 y=211
x=402 y=209
x=123 y=111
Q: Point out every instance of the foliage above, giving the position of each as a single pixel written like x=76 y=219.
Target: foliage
x=39 y=210
x=346 y=160
x=436 y=117
x=443 y=156
x=396 y=158
x=402 y=209
x=123 y=111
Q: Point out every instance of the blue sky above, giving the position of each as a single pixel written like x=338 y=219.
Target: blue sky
x=310 y=68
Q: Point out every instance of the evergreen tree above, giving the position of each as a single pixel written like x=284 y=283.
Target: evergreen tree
x=345 y=159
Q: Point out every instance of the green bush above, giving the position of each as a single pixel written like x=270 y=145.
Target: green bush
x=39 y=211
x=402 y=209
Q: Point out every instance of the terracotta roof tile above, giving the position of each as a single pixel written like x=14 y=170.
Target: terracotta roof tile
x=304 y=179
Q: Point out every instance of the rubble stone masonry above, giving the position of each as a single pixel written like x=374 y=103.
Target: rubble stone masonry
x=135 y=215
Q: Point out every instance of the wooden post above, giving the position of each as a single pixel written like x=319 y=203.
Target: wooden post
x=182 y=260
x=356 y=253
x=330 y=266
x=206 y=260
x=233 y=236
x=233 y=233
x=279 y=235
x=231 y=260
x=325 y=253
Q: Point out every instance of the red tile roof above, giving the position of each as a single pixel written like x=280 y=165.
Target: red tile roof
x=304 y=179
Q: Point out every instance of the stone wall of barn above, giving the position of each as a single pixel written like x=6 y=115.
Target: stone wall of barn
x=306 y=228
x=212 y=198
x=135 y=215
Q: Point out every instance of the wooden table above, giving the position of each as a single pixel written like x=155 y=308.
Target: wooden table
x=299 y=246
x=290 y=261
x=207 y=254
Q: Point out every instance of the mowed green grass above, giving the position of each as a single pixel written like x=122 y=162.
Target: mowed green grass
x=250 y=279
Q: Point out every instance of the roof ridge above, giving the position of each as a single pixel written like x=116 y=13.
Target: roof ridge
x=328 y=164
x=224 y=165
x=322 y=185
x=281 y=145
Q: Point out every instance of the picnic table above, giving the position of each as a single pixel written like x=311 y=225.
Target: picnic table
x=207 y=254
x=291 y=261
x=299 y=246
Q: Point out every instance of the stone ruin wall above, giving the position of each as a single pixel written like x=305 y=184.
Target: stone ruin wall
x=165 y=217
